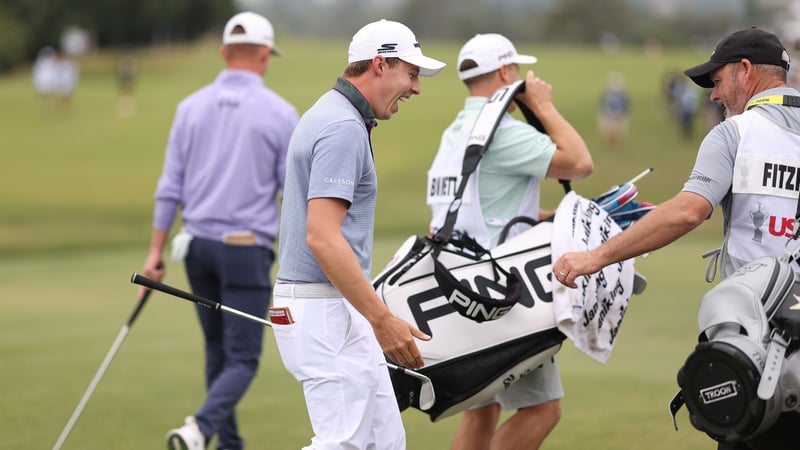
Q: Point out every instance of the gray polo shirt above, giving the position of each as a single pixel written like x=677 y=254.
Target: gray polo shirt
x=712 y=175
x=330 y=156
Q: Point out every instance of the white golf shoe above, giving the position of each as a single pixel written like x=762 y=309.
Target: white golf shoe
x=187 y=437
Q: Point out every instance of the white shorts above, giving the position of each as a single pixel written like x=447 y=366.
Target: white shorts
x=332 y=351
x=540 y=386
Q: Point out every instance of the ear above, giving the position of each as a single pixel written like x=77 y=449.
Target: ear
x=505 y=73
x=379 y=65
x=747 y=68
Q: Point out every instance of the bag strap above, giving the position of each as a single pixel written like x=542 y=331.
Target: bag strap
x=464 y=300
x=481 y=135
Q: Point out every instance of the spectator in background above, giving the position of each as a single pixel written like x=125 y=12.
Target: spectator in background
x=714 y=114
x=686 y=100
x=127 y=70
x=683 y=102
x=45 y=77
x=67 y=79
x=612 y=121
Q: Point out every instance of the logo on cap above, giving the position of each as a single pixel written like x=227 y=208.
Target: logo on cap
x=387 y=48
x=506 y=55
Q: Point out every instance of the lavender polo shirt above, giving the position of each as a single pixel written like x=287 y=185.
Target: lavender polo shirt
x=225 y=159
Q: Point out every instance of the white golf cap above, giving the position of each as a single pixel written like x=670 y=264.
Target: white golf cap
x=489 y=51
x=391 y=40
x=257 y=30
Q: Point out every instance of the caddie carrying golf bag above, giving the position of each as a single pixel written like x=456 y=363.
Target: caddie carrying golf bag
x=493 y=314
x=745 y=371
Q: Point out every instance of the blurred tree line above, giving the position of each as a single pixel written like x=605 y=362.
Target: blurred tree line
x=632 y=22
x=582 y=21
x=28 y=25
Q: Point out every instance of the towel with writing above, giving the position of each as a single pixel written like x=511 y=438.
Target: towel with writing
x=591 y=315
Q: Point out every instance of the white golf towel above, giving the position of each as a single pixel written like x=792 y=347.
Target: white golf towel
x=591 y=315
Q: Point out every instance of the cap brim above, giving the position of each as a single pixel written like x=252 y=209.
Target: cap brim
x=428 y=67
x=701 y=74
x=525 y=59
x=276 y=51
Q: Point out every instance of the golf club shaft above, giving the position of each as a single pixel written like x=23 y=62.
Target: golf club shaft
x=101 y=371
x=426 y=389
x=158 y=286
x=640 y=176
x=407 y=371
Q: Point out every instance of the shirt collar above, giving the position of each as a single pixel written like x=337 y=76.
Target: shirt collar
x=473 y=102
x=351 y=93
x=240 y=75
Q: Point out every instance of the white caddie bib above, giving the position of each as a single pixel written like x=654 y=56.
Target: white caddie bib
x=765 y=186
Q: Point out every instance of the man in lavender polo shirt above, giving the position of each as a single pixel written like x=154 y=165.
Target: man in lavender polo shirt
x=224 y=166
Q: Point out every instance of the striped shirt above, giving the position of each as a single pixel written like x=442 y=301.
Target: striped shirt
x=330 y=156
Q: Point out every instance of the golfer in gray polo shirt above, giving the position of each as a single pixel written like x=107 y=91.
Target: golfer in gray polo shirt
x=330 y=326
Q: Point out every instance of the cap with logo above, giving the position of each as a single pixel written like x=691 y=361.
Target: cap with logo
x=256 y=30
x=391 y=40
x=489 y=51
x=757 y=46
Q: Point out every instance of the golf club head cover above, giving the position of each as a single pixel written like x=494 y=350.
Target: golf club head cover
x=616 y=197
x=631 y=212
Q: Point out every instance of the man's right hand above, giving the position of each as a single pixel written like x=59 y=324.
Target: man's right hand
x=538 y=93
x=396 y=338
x=154 y=269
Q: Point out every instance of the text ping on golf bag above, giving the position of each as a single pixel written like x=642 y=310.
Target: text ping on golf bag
x=591 y=315
x=468 y=362
x=408 y=287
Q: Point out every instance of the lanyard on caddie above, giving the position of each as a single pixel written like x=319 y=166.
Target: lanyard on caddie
x=783 y=100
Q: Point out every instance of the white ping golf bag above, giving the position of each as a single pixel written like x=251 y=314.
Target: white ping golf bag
x=745 y=370
x=490 y=313
x=469 y=361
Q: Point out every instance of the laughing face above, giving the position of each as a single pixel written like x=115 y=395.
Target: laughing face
x=400 y=82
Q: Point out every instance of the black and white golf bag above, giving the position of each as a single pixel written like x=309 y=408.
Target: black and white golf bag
x=745 y=370
x=478 y=351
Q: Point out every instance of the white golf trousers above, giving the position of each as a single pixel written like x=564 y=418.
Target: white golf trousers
x=331 y=349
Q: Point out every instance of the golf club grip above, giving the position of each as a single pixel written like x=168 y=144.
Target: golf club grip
x=158 y=286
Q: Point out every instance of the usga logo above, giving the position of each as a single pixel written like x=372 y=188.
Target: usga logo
x=719 y=392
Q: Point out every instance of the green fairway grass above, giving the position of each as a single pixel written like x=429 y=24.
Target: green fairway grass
x=76 y=202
